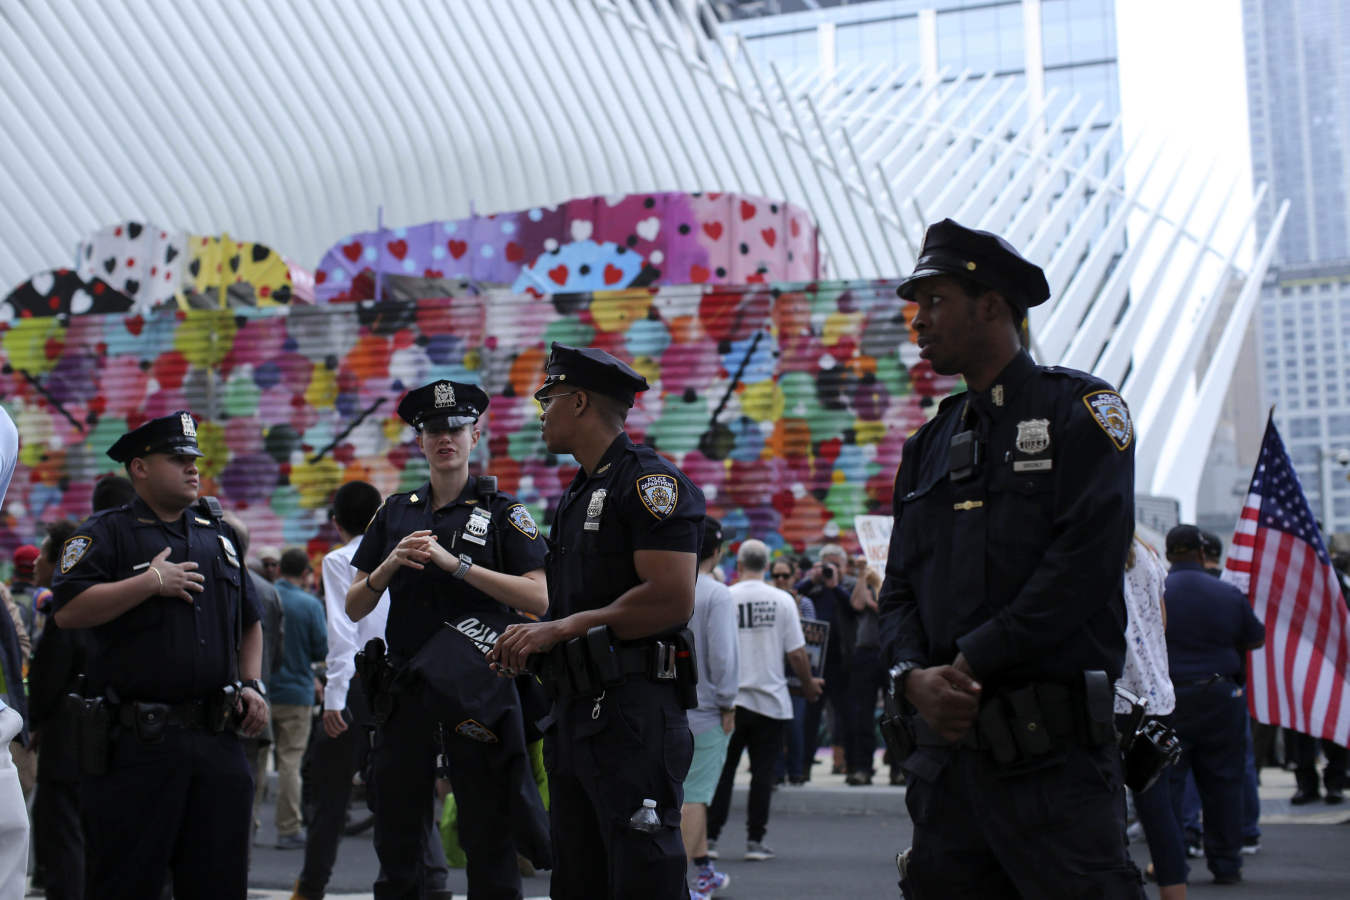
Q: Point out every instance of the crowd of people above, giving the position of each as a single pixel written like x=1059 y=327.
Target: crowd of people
x=583 y=702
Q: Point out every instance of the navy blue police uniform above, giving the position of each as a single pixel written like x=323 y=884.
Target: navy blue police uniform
x=494 y=531
x=612 y=750
x=1014 y=510
x=1209 y=626
x=177 y=792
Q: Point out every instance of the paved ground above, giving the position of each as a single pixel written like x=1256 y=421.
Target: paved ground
x=835 y=841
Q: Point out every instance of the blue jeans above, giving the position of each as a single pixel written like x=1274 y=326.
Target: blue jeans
x=1211 y=720
x=1251 y=801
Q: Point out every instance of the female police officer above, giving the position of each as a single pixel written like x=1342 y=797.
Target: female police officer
x=159 y=585
x=452 y=546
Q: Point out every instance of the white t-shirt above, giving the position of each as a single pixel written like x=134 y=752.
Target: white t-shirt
x=768 y=628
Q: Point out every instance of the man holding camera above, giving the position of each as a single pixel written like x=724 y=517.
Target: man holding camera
x=1002 y=613
x=829 y=586
x=175 y=657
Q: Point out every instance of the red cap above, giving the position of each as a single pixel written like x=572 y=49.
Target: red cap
x=24 y=559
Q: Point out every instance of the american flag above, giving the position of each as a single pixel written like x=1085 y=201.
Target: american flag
x=1301 y=677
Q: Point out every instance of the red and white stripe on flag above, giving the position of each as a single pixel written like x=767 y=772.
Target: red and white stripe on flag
x=1300 y=679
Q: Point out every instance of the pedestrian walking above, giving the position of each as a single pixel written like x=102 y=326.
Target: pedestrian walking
x=1210 y=629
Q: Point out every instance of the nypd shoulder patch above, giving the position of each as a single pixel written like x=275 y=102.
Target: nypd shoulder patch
x=1112 y=416
x=522 y=520
x=659 y=494
x=73 y=550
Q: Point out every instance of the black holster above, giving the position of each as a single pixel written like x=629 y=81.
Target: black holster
x=224 y=710
x=377 y=679
x=93 y=732
x=896 y=730
x=686 y=668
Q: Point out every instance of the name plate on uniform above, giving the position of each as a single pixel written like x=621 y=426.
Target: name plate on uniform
x=1033 y=465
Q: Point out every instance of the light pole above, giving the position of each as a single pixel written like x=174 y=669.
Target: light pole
x=1326 y=455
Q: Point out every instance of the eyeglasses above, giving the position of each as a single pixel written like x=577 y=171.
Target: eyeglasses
x=546 y=402
x=780 y=575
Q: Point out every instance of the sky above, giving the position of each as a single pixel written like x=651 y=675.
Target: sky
x=1183 y=81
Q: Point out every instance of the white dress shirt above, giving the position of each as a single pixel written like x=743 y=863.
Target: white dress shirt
x=345 y=637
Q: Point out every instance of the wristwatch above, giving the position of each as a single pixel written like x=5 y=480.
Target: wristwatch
x=899 y=674
x=465 y=564
x=257 y=686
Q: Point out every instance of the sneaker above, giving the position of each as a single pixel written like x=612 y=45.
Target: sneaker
x=290 y=841
x=699 y=895
x=1228 y=878
x=858 y=779
x=1334 y=795
x=1195 y=851
x=756 y=851
x=1251 y=845
x=709 y=880
x=712 y=849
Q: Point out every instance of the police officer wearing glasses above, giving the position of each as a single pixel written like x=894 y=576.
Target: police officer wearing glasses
x=173 y=668
x=1002 y=609
x=452 y=546
x=622 y=566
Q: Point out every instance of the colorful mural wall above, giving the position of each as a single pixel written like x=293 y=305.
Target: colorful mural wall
x=787 y=402
x=588 y=244
x=157 y=266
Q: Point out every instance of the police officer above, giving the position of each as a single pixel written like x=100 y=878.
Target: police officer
x=624 y=554
x=173 y=625
x=1002 y=608
x=454 y=545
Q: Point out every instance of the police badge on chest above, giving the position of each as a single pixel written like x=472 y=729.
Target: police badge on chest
x=594 y=508
x=476 y=529
x=1033 y=446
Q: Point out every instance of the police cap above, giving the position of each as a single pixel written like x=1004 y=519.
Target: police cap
x=175 y=433
x=592 y=370
x=448 y=404
x=982 y=256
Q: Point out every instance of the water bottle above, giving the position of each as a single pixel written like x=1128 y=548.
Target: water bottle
x=645 y=819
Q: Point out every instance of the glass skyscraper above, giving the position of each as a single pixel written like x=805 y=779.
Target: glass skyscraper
x=1075 y=52
x=1298 y=80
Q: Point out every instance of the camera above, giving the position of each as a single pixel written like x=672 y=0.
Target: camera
x=827 y=570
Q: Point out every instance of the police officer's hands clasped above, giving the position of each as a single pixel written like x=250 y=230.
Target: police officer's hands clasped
x=510 y=655
x=439 y=555
x=169 y=579
x=947 y=697
x=414 y=550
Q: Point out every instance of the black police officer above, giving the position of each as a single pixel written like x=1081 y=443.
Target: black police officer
x=452 y=546
x=159 y=582
x=623 y=554
x=1002 y=604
